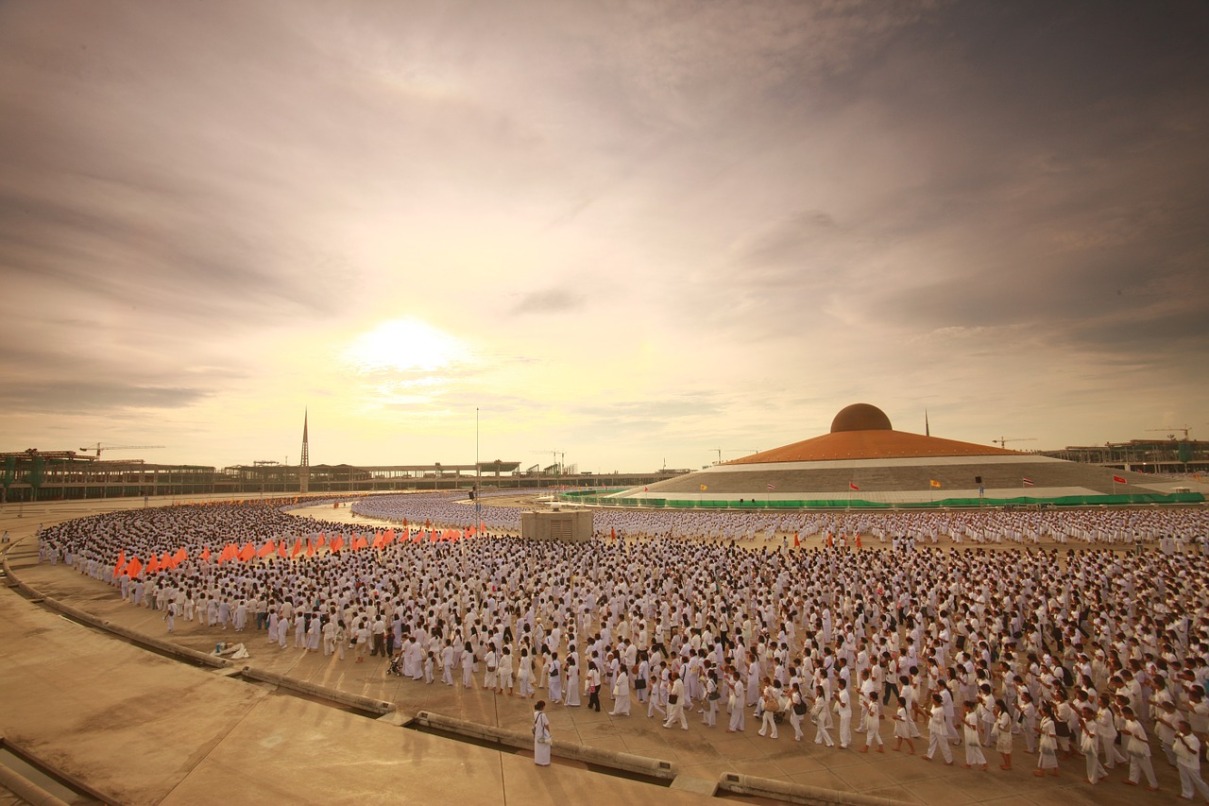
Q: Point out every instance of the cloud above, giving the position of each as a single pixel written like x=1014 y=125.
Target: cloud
x=93 y=397
x=784 y=207
x=548 y=301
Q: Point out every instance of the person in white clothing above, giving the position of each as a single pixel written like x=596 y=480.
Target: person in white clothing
x=541 y=735
x=1188 y=761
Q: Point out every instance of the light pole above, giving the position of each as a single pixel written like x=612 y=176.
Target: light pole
x=478 y=507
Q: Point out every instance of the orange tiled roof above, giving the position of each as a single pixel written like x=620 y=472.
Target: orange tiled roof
x=870 y=444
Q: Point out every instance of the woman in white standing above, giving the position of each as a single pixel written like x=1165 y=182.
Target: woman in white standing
x=541 y=735
x=843 y=709
x=572 y=682
x=1047 y=743
x=621 y=693
x=524 y=674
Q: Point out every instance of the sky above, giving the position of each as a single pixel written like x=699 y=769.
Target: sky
x=619 y=235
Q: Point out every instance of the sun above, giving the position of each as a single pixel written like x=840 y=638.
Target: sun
x=404 y=345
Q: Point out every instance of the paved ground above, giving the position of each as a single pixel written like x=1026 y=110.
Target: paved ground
x=141 y=728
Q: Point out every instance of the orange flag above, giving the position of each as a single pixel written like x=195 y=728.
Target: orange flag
x=133 y=567
x=359 y=543
x=267 y=549
x=120 y=566
x=180 y=556
x=247 y=552
x=281 y=552
x=796 y=541
x=205 y=555
x=153 y=564
x=336 y=544
x=294 y=552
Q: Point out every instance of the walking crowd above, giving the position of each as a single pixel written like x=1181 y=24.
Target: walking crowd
x=1088 y=657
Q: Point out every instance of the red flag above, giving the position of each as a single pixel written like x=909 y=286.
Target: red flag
x=852 y=486
x=1120 y=479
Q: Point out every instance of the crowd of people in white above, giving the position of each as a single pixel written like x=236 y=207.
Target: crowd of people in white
x=1096 y=651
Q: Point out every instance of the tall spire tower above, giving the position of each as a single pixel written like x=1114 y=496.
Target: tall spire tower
x=304 y=464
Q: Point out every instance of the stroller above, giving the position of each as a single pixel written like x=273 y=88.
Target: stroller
x=396 y=664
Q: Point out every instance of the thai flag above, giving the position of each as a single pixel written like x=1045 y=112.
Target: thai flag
x=1027 y=481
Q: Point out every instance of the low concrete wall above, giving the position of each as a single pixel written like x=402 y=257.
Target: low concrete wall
x=796 y=793
x=27 y=790
x=357 y=701
x=642 y=765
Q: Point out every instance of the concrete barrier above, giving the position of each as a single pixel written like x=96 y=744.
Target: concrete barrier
x=754 y=785
x=358 y=701
x=26 y=789
x=521 y=739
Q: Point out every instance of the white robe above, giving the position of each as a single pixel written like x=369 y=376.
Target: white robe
x=541 y=739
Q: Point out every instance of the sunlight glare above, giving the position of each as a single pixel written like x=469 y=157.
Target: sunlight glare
x=405 y=345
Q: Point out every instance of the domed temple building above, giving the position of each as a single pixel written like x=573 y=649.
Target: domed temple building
x=864 y=462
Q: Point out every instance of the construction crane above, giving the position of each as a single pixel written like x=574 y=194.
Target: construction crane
x=744 y=451
x=1003 y=441
x=99 y=447
x=1170 y=429
x=554 y=459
